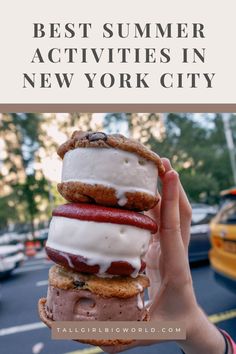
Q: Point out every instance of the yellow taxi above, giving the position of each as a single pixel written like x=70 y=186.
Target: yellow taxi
x=223 y=240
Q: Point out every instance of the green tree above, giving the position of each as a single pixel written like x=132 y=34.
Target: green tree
x=198 y=150
x=27 y=186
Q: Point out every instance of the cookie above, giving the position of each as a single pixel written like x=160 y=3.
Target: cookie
x=122 y=287
x=110 y=170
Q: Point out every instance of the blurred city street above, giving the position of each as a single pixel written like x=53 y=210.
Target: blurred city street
x=200 y=147
x=21 y=331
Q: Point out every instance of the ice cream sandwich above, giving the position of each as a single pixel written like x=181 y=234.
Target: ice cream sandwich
x=109 y=170
x=100 y=240
x=74 y=296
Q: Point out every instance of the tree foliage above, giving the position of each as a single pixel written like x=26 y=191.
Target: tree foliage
x=196 y=146
x=27 y=187
x=198 y=151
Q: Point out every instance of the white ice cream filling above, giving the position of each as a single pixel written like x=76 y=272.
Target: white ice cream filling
x=99 y=242
x=121 y=170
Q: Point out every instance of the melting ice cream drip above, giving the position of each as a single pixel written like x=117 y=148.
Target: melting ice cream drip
x=121 y=197
x=139 y=302
x=67 y=259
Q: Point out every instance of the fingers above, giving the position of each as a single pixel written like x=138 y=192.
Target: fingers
x=172 y=247
x=153 y=269
x=155 y=215
x=170 y=217
x=184 y=207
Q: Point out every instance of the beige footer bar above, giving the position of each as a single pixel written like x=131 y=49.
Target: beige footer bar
x=123 y=330
x=106 y=108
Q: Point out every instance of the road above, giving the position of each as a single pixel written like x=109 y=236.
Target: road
x=21 y=331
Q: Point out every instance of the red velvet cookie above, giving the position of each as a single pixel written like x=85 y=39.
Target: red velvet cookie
x=100 y=240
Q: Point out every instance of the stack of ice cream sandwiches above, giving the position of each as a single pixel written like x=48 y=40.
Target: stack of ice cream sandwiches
x=99 y=239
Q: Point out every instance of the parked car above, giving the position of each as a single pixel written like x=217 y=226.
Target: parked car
x=11 y=257
x=42 y=237
x=37 y=242
x=199 y=241
x=12 y=238
x=223 y=239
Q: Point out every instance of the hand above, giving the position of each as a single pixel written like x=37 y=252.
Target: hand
x=171 y=292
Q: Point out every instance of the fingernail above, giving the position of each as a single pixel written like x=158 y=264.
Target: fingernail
x=173 y=174
x=166 y=162
x=170 y=186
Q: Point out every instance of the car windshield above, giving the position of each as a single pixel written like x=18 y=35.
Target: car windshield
x=201 y=216
x=227 y=214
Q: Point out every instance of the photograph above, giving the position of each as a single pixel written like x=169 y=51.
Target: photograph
x=108 y=217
